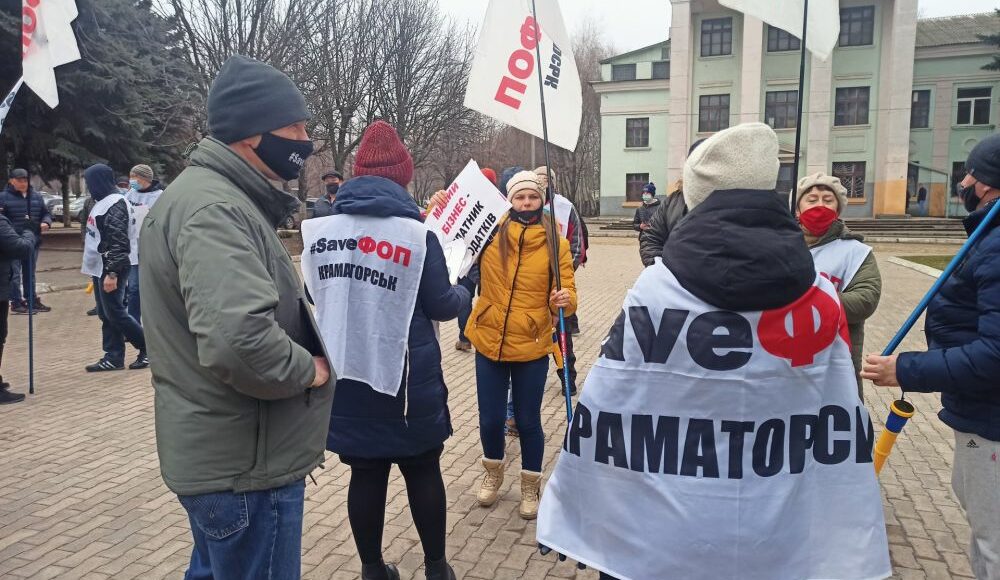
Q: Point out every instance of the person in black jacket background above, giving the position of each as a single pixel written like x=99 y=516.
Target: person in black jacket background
x=110 y=234
x=963 y=362
x=26 y=210
x=13 y=246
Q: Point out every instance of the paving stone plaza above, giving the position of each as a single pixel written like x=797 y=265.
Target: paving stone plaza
x=81 y=495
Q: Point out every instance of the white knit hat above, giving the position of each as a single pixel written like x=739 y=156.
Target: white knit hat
x=741 y=157
x=524 y=180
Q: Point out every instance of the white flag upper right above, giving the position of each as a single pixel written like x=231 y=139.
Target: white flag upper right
x=824 y=20
x=47 y=41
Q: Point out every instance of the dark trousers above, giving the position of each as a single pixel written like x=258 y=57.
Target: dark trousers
x=255 y=534
x=425 y=489
x=117 y=325
x=20 y=281
x=4 y=312
x=134 y=306
x=527 y=384
x=466 y=311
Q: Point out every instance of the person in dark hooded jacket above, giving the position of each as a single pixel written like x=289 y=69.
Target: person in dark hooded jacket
x=26 y=210
x=963 y=362
x=644 y=213
x=13 y=246
x=668 y=214
x=107 y=258
x=370 y=430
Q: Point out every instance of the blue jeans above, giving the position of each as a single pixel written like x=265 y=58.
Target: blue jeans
x=527 y=385
x=255 y=534
x=134 y=306
x=117 y=325
x=19 y=282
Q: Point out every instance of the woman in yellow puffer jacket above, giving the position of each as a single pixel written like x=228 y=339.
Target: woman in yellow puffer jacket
x=511 y=327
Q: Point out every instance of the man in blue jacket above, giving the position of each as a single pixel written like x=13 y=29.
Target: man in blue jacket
x=963 y=362
x=26 y=210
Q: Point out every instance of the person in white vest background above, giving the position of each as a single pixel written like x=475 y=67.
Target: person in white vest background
x=144 y=190
x=719 y=434
x=379 y=281
x=840 y=255
x=109 y=255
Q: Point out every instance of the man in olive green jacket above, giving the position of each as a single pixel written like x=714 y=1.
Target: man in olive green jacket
x=243 y=390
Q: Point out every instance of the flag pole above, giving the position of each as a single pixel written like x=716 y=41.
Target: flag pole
x=801 y=100
x=550 y=194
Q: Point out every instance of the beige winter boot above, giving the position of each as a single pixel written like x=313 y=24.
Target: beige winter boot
x=531 y=493
x=489 y=492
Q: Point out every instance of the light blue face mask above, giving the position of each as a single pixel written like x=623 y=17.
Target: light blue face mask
x=133 y=184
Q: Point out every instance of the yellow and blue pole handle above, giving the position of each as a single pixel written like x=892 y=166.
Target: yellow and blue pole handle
x=900 y=411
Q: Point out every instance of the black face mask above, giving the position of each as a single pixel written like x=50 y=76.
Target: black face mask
x=527 y=218
x=285 y=157
x=332 y=188
x=969 y=198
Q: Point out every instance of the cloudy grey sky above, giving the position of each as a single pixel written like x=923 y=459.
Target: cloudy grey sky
x=631 y=24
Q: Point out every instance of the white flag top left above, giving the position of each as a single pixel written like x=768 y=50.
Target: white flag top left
x=503 y=83
x=47 y=41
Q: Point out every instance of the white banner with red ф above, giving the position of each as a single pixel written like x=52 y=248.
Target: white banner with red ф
x=716 y=444
x=47 y=41
x=472 y=212
x=503 y=83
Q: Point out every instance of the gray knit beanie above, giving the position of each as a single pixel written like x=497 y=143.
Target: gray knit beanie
x=832 y=183
x=143 y=171
x=251 y=98
x=741 y=157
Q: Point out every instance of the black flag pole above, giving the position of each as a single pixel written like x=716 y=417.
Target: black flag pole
x=550 y=194
x=801 y=100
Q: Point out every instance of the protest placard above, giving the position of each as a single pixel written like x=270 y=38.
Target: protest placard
x=466 y=220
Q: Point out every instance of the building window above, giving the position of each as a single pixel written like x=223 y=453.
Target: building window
x=665 y=53
x=637 y=132
x=781 y=109
x=786 y=182
x=717 y=37
x=958 y=174
x=633 y=186
x=857 y=26
x=852 y=106
x=920 y=110
x=974 y=106
x=852 y=175
x=713 y=113
x=780 y=41
x=661 y=69
x=623 y=72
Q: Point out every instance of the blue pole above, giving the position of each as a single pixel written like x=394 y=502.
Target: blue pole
x=955 y=262
x=550 y=192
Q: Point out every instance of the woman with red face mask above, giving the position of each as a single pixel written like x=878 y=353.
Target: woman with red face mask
x=840 y=255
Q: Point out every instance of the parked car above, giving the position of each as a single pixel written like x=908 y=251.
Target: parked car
x=51 y=200
x=75 y=207
x=293 y=222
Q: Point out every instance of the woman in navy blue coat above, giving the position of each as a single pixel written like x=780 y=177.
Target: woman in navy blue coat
x=371 y=430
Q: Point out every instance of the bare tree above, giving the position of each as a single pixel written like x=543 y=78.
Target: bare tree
x=346 y=64
x=272 y=31
x=427 y=61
